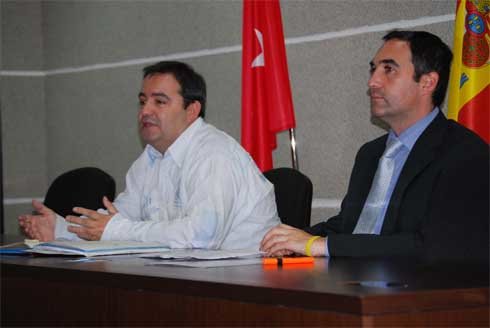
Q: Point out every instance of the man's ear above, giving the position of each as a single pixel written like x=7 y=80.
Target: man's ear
x=429 y=81
x=193 y=110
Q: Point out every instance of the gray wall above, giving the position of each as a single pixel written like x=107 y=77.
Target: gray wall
x=24 y=138
x=55 y=119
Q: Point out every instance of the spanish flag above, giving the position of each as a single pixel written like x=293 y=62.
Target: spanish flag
x=469 y=85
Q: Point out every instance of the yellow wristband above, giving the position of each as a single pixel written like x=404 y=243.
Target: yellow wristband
x=309 y=243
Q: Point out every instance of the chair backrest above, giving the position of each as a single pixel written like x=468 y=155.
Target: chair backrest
x=82 y=187
x=294 y=192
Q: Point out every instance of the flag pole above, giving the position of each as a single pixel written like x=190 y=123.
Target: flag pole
x=294 y=157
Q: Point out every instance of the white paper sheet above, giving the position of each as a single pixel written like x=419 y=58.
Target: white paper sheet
x=205 y=254
x=209 y=263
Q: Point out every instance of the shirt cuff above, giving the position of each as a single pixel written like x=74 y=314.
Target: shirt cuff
x=111 y=228
x=327 y=253
x=61 y=230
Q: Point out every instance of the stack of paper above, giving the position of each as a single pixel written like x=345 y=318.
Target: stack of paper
x=203 y=258
x=206 y=258
x=96 y=248
x=205 y=254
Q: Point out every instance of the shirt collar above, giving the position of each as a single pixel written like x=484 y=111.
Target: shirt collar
x=153 y=154
x=410 y=135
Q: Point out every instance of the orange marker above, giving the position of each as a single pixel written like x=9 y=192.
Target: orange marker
x=287 y=260
x=269 y=261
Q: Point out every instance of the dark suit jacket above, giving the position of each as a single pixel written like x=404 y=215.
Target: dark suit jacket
x=439 y=208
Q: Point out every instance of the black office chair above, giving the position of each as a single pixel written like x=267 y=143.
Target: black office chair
x=294 y=192
x=82 y=187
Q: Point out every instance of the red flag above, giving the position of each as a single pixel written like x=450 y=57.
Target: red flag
x=267 y=104
x=469 y=86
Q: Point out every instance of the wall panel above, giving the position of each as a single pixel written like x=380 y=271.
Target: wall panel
x=75 y=119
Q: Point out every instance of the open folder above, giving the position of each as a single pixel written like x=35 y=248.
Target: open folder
x=95 y=248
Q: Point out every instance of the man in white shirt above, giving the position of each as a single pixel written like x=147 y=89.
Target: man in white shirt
x=192 y=187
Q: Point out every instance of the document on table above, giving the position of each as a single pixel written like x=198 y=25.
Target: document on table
x=204 y=254
x=17 y=248
x=206 y=258
x=209 y=263
x=95 y=248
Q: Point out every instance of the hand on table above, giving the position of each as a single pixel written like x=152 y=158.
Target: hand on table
x=285 y=240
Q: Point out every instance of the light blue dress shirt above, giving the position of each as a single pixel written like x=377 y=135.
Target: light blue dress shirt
x=408 y=139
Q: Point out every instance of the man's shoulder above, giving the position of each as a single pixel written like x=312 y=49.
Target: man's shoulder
x=214 y=148
x=460 y=144
x=210 y=144
x=210 y=138
x=458 y=134
x=462 y=149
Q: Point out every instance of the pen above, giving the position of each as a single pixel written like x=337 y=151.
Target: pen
x=287 y=260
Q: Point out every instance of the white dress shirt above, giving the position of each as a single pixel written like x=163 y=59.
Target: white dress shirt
x=204 y=192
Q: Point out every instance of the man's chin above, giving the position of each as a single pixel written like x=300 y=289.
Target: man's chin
x=380 y=122
x=378 y=117
x=377 y=112
x=148 y=132
x=146 y=138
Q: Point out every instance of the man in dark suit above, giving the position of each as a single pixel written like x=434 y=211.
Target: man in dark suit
x=428 y=196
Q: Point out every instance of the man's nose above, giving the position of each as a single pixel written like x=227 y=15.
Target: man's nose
x=372 y=81
x=145 y=109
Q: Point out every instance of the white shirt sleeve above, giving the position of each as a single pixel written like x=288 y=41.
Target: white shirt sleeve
x=61 y=230
x=210 y=188
x=127 y=203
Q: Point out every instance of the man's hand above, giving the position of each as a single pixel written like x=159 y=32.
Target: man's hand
x=39 y=226
x=285 y=240
x=91 y=227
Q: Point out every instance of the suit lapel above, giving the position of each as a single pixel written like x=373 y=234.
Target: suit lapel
x=422 y=154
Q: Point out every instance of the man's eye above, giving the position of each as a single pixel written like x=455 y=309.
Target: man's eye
x=388 y=69
x=141 y=103
x=160 y=101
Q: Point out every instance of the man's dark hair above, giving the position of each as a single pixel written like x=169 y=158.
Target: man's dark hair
x=192 y=84
x=429 y=54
